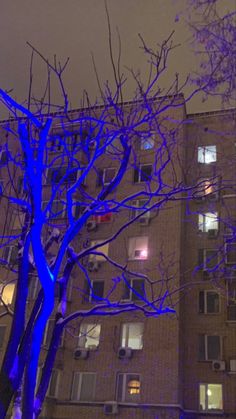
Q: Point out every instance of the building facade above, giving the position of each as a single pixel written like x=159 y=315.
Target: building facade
x=176 y=365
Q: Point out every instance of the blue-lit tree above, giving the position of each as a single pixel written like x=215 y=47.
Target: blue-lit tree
x=51 y=156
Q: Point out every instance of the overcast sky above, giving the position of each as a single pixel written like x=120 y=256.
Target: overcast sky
x=75 y=28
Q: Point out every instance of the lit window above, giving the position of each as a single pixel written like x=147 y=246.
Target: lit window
x=206 y=188
x=128 y=387
x=230 y=253
x=53 y=384
x=209 y=347
x=143 y=173
x=2 y=334
x=209 y=302
x=207 y=154
x=89 y=336
x=134 y=290
x=132 y=335
x=83 y=386
x=208 y=221
x=147 y=143
x=210 y=397
x=138 y=248
x=105 y=176
x=96 y=291
x=103 y=249
x=7 y=293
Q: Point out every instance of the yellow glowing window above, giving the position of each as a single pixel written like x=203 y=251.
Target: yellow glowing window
x=7 y=293
x=134 y=387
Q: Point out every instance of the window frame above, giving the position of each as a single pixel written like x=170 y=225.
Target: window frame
x=203 y=149
x=127 y=336
x=133 y=249
x=92 y=299
x=54 y=216
x=78 y=171
x=131 y=290
x=81 y=374
x=2 y=288
x=226 y=253
x=97 y=258
x=206 y=397
x=138 y=173
x=205 y=302
x=58 y=374
x=82 y=339
x=207 y=348
x=3 y=326
x=204 y=216
x=136 y=211
x=124 y=398
x=145 y=139
x=47 y=337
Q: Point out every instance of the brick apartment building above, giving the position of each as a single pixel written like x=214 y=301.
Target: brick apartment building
x=177 y=365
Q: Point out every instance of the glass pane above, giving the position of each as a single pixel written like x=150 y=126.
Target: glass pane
x=98 y=290
x=138 y=289
x=201 y=350
x=211 y=221
x=75 y=386
x=135 y=335
x=87 y=387
x=146 y=173
x=109 y=175
x=202 y=397
x=7 y=293
x=201 y=302
x=53 y=383
x=214 y=395
x=92 y=335
x=2 y=335
x=212 y=302
x=119 y=387
x=132 y=387
x=231 y=252
x=213 y=347
x=211 y=259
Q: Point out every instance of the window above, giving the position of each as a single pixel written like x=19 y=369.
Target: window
x=132 y=335
x=56 y=209
x=209 y=302
x=105 y=176
x=3 y=157
x=62 y=142
x=134 y=290
x=140 y=204
x=210 y=397
x=207 y=154
x=89 y=336
x=143 y=173
x=2 y=334
x=48 y=333
x=19 y=220
x=96 y=293
x=83 y=386
x=10 y=255
x=231 y=291
x=230 y=253
x=208 y=259
x=7 y=293
x=209 y=348
x=55 y=174
x=53 y=384
x=207 y=188
x=138 y=248
x=102 y=249
x=208 y=222
x=147 y=143
x=34 y=287
x=128 y=387
x=104 y=218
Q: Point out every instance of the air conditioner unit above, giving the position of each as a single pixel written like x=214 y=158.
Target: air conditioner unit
x=144 y=221
x=218 y=365
x=212 y=233
x=93 y=266
x=232 y=365
x=110 y=408
x=125 y=353
x=81 y=353
x=91 y=225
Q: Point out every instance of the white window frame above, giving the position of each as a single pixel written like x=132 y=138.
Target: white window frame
x=206 y=389
x=207 y=259
x=66 y=181
x=203 y=185
x=88 y=328
x=131 y=290
x=206 y=347
x=81 y=374
x=226 y=258
x=45 y=337
x=207 y=154
x=104 y=171
x=34 y=288
x=55 y=393
x=205 y=308
x=124 y=397
x=126 y=330
x=139 y=169
x=202 y=221
x=133 y=249
x=55 y=217
x=98 y=258
x=8 y=259
x=140 y=208
x=147 y=139
x=91 y=299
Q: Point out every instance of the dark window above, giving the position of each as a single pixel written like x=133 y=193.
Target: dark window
x=230 y=251
x=143 y=173
x=55 y=175
x=209 y=348
x=97 y=291
x=208 y=302
x=2 y=335
x=134 y=290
